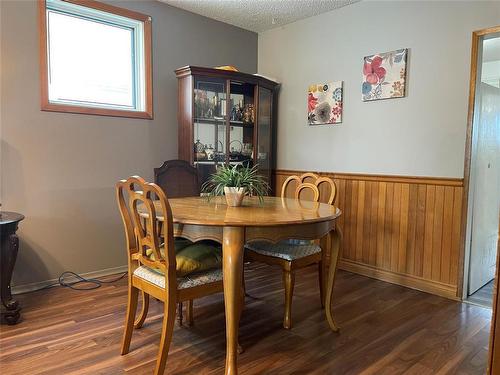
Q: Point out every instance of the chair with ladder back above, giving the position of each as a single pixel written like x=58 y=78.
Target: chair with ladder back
x=291 y=255
x=153 y=260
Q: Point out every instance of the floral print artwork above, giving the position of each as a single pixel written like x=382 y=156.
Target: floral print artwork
x=384 y=75
x=324 y=103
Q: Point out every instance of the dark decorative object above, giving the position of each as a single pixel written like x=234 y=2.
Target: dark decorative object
x=199 y=150
x=239 y=112
x=9 y=243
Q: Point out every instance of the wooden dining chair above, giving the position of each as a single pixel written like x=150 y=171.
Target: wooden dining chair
x=178 y=178
x=295 y=254
x=152 y=265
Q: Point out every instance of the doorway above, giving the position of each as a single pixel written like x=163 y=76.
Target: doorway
x=484 y=174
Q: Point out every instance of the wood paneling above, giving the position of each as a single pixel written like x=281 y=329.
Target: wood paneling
x=404 y=230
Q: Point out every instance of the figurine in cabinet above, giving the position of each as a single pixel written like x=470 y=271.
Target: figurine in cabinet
x=248 y=114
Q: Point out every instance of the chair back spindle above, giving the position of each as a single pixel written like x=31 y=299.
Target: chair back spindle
x=122 y=201
x=140 y=217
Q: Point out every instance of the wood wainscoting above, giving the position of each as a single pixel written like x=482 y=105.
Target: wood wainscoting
x=403 y=230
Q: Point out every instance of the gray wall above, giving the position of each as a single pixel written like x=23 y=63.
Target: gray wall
x=422 y=134
x=60 y=169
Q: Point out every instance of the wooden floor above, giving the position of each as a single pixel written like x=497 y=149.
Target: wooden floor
x=385 y=329
x=483 y=296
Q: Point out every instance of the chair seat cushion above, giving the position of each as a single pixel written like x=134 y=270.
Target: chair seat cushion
x=157 y=277
x=285 y=250
x=194 y=257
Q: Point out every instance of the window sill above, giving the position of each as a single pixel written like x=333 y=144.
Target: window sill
x=50 y=107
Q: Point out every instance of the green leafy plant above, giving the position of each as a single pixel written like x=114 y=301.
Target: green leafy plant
x=237 y=177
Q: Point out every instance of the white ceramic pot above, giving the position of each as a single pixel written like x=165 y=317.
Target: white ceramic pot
x=234 y=196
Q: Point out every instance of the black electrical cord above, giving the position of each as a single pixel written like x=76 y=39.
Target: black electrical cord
x=92 y=283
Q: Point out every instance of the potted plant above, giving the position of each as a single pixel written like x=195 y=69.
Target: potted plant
x=235 y=182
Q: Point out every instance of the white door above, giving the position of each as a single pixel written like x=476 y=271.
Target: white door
x=485 y=182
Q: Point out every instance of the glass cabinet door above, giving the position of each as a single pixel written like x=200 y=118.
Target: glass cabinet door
x=241 y=123
x=209 y=125
x=226 y=127
x=264 y=134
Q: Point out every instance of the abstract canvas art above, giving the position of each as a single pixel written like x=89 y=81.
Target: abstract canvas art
x=384 y=75
x=324 y=103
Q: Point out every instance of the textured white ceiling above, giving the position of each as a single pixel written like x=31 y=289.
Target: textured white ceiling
x=258 y=15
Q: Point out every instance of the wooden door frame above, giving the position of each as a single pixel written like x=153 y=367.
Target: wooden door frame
x=476 y=37
x=494 y=352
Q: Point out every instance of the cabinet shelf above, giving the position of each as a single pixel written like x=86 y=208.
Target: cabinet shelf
x=212 y=121
x=213 y=162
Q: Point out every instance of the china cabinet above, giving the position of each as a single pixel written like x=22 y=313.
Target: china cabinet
x=226 y=117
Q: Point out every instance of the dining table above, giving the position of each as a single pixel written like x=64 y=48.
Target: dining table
x=268 y=218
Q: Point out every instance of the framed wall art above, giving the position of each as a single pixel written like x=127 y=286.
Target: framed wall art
x=324 y=103
x=384 y=75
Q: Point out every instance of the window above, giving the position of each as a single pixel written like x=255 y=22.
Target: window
x=95 y=59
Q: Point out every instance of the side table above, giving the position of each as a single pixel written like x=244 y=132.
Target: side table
x=9 y=245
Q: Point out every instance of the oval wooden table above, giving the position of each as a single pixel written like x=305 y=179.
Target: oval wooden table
x=273 y=220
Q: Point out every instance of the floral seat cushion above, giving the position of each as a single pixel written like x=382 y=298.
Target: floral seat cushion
x=288 y=250
x=157 y=277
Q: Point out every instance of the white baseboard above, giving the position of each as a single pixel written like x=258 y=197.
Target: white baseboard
x=88 y=275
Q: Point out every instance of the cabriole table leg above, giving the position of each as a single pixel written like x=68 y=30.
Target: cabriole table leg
x=232 y=267
x=336 y=237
